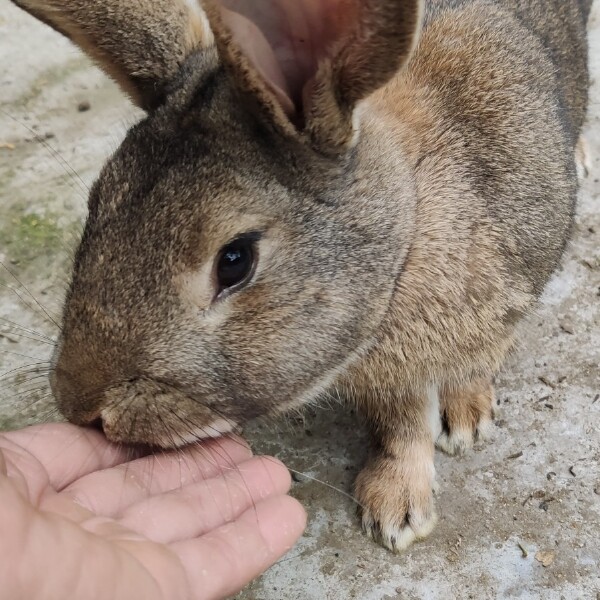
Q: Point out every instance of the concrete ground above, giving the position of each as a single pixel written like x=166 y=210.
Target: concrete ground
x=519 y=517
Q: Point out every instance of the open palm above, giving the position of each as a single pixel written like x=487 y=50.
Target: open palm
x=79 y=520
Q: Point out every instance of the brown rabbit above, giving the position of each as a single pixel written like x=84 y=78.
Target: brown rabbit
x=366 y=194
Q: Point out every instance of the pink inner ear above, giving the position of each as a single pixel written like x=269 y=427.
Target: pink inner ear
x=285 y=39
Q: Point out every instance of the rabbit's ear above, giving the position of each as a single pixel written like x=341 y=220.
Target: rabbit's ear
x=140 y=43
x=312 y=61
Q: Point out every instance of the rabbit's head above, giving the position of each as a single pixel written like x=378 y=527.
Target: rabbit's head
x=239 y=250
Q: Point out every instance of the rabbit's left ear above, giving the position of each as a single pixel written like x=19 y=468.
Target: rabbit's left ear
x=140 y=43
x=308 y=63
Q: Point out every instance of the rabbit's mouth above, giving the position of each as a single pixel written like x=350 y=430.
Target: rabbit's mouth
x=151 y=413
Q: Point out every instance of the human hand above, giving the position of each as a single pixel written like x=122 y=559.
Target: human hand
x=79 y=521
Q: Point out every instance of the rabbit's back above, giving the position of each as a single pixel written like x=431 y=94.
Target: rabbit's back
x=502 y=86
x=560 y=25
x=488 y=111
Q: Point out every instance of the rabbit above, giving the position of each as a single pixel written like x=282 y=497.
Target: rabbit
x=361 y=196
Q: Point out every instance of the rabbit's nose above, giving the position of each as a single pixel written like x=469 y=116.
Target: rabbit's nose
x=79 y=400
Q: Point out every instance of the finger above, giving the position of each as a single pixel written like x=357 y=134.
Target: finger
x=64 y=451
x=222 y=562
x=197 y=509
x=111 y=491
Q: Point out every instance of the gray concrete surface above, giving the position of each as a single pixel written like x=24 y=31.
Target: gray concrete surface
x=535 y=488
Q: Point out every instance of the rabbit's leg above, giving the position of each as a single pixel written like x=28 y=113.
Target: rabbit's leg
x=395 y=488
x=582 y=158
x=466 y=414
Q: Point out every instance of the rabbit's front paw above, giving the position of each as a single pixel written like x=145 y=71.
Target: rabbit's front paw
x=467 y=415
x=396 y=498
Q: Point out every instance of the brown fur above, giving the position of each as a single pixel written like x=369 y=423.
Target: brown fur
x=410 y=215
x=142 y=45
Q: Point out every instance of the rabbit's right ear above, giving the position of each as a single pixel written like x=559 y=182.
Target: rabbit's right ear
x=373 y=40
x=140 y=43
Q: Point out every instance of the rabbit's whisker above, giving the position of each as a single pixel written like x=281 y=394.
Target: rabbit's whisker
x=14 y=291
x=328 y=485
x=27 y=330
x=54 y=154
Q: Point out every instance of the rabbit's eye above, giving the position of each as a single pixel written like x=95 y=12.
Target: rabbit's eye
x=235 y=264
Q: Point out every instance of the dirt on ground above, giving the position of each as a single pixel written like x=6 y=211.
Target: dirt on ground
x=519 y=516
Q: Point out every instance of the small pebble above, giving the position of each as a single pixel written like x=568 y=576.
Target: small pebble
x=545 y=557
x=566 y=325
x=547 y=381
x=83 y=106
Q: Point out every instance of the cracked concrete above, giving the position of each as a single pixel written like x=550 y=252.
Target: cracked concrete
x=529 y=497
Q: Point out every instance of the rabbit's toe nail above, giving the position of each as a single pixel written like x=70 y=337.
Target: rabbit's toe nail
x=455 y=442
x=467 y=415
x=397 y=536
